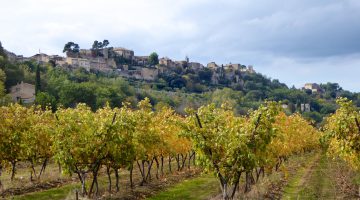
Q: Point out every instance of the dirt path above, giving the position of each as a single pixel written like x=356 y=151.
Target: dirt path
x=317 y=180
x=300 y=179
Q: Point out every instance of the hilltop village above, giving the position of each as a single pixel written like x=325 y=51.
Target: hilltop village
x=125 y=63
x=90 y=76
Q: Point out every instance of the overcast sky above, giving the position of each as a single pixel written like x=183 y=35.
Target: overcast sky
x=293 y=41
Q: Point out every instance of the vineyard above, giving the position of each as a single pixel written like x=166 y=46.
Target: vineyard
x=148 y=142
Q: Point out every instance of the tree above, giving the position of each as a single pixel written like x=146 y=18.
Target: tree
x=153 y=59
x=177 y=82
x=308 y=92
x=229 y=145
x=2 y=83
x=37 y=80
x=105 y=43
x=45 y=100
x=97 y=46
x=74 y=93
x=71 y=48
x=14 y=74
x=205 y=75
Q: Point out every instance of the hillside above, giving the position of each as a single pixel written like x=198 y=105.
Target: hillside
x=179 y=86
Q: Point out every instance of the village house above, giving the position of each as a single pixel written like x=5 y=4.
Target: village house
x=141 y=60
x=41 y=57
x=99 y=64
x=315 y=88
x=305 y=107
x=23 y=92
x=167 y=62
x=139 y=72
x=21 y=58
x=85 y=53
x=59 y=61
x=232 y=66
x=181 y=63
x=195 y=65
x=125 y=53
x=133 y=72
x=96 y=64
x=79 y=62
x=212 y=65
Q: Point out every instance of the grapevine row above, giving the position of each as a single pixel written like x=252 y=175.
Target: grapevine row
x=83 y=142
x=342 y=134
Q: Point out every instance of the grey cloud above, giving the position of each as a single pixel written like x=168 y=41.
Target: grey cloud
x=308 y=35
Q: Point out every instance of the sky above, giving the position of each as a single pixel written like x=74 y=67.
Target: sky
x=295 y=41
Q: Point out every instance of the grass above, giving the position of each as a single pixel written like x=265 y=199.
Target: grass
x=295 y=188
x=320 y=184
x=311 y=176
x=198 y=188
x=53 y=194
x=22 y=176
x=67 y=190
x=293 y=185
x=312 y=181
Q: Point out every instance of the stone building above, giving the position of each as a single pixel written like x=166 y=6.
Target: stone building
x=315 y=88
x=212 y=65
x=41 y=57
x=125 y=53
x=167 y=62
x=305 y=107
x=232 y=66
x=181 y=63
x=195 y=65
x=141 y=60
x=79 y=62
x=59 y=61
x=85 y=53
x=100 y=64
x=23 y=92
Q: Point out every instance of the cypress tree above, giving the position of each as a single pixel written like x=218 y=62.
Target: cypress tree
x=37 y=80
